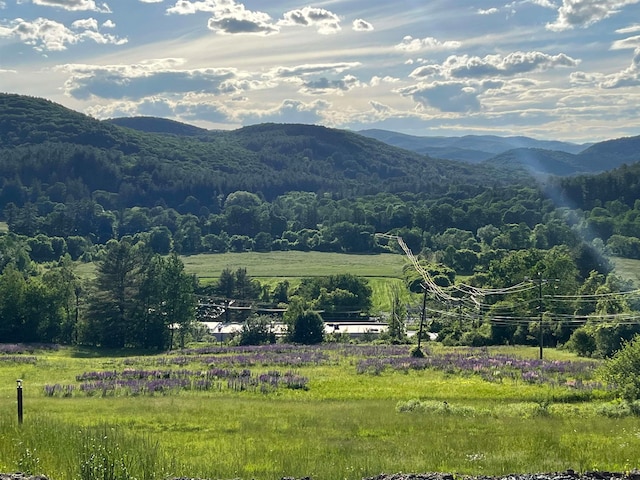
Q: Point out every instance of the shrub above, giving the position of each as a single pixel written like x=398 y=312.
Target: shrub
x=582 y=343
x=623 y=370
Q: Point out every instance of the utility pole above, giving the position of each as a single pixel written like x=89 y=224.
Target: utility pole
x=424 y=312
x=540 y=336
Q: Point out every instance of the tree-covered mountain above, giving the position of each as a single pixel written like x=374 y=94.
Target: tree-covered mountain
x=158 y=125
x=537 y=161
x=46 y=142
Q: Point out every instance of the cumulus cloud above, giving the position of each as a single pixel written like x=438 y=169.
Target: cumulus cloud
x=290 y=111
x=250 y=23
x=584 y=78
x=44 y=34
x=516 y=63
x=360 y=25
x=583 y=13
x=228 y=17
x=74 y=5
x=488 y=11
x=187 y=7
x=187 y=109
x=410 y=44
x=151 y=1
x=311 y=69
x=629 y=77
x=142 y=80
x=544 y=3
x=451 y=96
x=324 y=86
x=85 y=24
x=324 y=21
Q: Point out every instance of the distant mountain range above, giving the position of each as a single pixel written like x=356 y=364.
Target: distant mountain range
x=468 y=148
x=535 y=156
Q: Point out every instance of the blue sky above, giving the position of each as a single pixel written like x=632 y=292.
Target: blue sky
x=550 y=69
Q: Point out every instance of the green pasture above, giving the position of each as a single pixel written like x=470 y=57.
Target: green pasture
x=627 y=268
x=346 y=425
x=382 y=271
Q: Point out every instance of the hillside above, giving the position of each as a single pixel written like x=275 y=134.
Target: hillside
x=272 y=159
x=158 y=125
x=537 y=160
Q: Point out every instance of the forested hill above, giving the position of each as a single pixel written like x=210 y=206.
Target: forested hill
x=45 y=142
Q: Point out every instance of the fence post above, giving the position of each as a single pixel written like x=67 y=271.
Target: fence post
x=19 y=392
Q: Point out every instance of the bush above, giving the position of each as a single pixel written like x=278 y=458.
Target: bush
x=623 y=370
x=582 y=343
x=308 y=328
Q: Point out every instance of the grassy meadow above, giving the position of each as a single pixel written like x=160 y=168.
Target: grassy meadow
x=355 y=411
x=381 y=271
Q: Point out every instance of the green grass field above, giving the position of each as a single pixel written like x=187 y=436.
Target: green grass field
x=382 y=271
x=627 y=268
x=346 y=425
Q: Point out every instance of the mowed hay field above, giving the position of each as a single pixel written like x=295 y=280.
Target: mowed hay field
x=381 y=271
x=330 y=412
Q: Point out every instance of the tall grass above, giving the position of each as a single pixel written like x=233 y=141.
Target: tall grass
x=346 y=426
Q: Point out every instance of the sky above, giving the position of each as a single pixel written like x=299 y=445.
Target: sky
x=549 y=69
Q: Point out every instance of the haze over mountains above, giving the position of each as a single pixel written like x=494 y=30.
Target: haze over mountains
x=468 y=148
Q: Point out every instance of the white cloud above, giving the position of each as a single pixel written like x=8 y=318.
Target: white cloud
x=488 y=11
x=360 y=25
x=108 y=24
x=451 y=96
x=324 y=86
x=151 y=1
x=311 y=69
x=74 y=5
x=145 y=79
x=410 y=44
x=465 y=66
x=242 y=22
x=375 y=80
x=187 y=7
x=584 y=78
x=544 y=3
x=85 y=24
x=323 y=20
x=626 y=43
x=630 y=29
x=44 y=34
x=629 y=77
x=583 y=13
x=228 y=17
x=289 y=110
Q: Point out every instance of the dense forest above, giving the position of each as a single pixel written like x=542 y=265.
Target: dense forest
x=75 y=188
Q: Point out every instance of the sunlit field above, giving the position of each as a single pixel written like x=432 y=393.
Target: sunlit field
x=381 y=271
x=332 y=411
